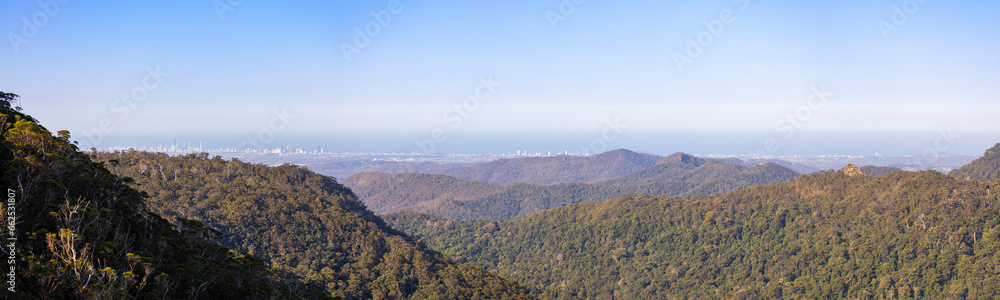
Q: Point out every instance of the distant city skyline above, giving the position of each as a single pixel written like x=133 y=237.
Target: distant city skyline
x=436 y=72
x=578 y=143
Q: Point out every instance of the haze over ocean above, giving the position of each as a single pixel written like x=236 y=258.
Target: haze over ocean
x=663 y=143
x=375 y=68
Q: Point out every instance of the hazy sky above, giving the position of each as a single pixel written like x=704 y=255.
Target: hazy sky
x=228 y=66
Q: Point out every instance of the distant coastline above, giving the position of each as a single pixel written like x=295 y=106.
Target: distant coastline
x=551 y=143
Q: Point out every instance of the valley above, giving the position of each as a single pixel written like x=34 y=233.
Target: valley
x=619 y=223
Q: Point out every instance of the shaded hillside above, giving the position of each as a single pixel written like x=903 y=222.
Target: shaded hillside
x=756 y=175
x=383 y=192
x=800 y=168
x=453 y=198
x=879 y=170
x=81 y=232
x=983 y=168
x=343 y=169
x=682 y=158
x=556 y=169
x=677 y=172
x=305 y=224
x=729 y=160
x=682 y=167
x=525 y=199
x=819 y=236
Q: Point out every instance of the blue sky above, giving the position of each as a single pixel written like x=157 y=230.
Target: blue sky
x=602 y=60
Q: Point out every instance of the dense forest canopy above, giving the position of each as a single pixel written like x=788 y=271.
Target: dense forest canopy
x=305 y=224
x=842 y=234
x=555 y=169
x=449 y=197
x=83 y=232
x=879 y=170
x=986 y=167
x=9 y=102
x=126 y=225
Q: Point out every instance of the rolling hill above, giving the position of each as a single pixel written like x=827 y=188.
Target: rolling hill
x=555 y=169
x=797 y=167
x=680 y=167
x=986 y=167
x=878 y=170
x=445 y=196
x=303 y=224
x=827 y=235
x=77 y=231
x=752 y=176
x=344 y=169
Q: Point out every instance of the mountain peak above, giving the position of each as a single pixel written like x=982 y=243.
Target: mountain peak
x=683 y=158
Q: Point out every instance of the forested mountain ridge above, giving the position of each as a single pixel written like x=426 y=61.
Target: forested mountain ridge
x=304 y=224
x=682 y=158
x=555 y=169
x=343 y=169
x=752 y=176
x=546 y=170
x=677 y=168
x=384 y=192
x=81 y=232
x=800 y=168
x=470 y=200
x=832 y=234
x=879 y=170
x=526 y=199
x=986 y=167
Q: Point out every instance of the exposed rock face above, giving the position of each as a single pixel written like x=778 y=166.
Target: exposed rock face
x=851 y=170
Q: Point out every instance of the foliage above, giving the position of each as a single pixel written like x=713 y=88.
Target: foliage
x=83 y=232
x=8 y=102
x=879 y=170
x=449 y=197
x=983 y=168
x=556 y=169
x=303 y=224
x=823 y=235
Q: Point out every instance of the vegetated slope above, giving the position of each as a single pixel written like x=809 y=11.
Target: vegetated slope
x=306 y=224
x=879 y=170
x=983 y=168
x=683 y=167
x=556 y=169
x=526 y=199
x=797 y=167
x=832 y=234
x=674 y=166
x=82 y=233
x=470 y=200
x=756 y=175
x=343 y=169
x=384 y=192
x=453 y=198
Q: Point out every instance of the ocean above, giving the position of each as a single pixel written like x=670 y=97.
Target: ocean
x=662 y=143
